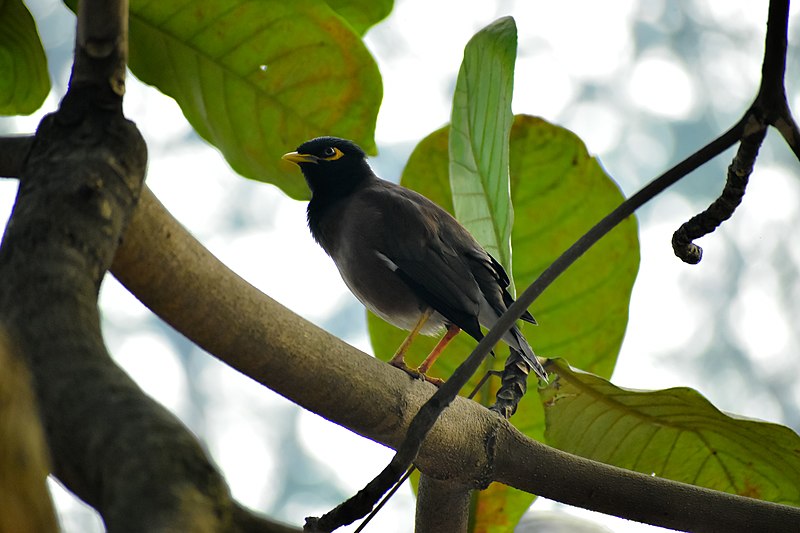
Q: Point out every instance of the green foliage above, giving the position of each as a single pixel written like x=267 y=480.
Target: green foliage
x=673 y=433
x=480 y=122
x=559 y=192
x=24 y=82
x=257 y=77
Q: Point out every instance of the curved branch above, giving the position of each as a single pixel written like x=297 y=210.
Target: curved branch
x=723 y=207
x=80 y=178
x=770 y=108
x=787 y=127
x=469 y=445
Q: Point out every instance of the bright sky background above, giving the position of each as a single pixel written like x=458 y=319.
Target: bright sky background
x=623 y=117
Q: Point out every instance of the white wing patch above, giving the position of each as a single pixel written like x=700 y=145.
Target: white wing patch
x=387 y=261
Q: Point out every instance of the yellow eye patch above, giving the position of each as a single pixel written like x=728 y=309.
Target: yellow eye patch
x=332 y=154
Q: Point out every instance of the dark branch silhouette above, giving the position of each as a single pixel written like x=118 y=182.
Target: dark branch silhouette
x=770 y=108
x=361 y=504
x=723 y=207
x=80 y=179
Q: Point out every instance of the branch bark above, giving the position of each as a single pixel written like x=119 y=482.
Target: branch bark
x=171 y=273
x=80 y=179
x=442 y=507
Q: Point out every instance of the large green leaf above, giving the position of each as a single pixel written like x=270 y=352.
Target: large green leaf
x=24 y=80
x=673 y=433
x=256 y=78
x=558 y=192
x=481 y=120
x=362 y=14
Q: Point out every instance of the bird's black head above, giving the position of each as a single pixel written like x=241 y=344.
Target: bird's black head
x=332 y=166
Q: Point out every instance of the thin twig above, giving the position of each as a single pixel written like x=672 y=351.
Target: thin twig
x=791 y=133
x=723 y=207
x=770 y=107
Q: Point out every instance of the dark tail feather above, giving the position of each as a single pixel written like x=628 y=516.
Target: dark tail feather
x=527 y=355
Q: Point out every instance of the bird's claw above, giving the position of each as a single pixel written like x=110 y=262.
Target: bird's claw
x=416 y=374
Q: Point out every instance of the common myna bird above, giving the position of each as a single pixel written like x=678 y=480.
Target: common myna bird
x=404 y=257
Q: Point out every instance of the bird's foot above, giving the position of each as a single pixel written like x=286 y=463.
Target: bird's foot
x=415 y=373
x=438 y=382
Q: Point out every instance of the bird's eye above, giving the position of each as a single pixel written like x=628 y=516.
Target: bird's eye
x=331 y=153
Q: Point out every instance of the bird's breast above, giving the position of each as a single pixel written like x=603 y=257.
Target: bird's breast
x=371 y=278
x=353 y=233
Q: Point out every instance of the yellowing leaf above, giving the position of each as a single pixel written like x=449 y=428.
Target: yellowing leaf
x=673 y=433
x=257 y=78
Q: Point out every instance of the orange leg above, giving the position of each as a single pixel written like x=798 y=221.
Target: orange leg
x=398 y=357
x=452 y=331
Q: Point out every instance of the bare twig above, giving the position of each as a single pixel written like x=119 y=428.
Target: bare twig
x=723 y=207
x=770 y=108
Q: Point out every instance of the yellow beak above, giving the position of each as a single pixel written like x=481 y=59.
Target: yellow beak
x=298 y=158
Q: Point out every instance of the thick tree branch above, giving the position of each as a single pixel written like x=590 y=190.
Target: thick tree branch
x=442 y=507
x=112 y=445
x=166 y=268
